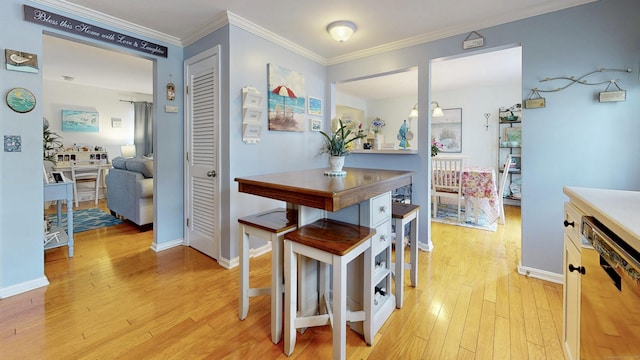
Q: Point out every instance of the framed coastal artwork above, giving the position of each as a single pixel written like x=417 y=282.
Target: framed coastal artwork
x=80 y=121
x=315 y=106
x=21 y=61
x=287 y=100
x=315 y=124
x=21 y=100
x=447 y=130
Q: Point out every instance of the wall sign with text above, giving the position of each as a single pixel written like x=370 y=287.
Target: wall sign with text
x=63 y=23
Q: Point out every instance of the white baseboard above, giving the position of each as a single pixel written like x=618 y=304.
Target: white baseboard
x=23 y=287
x=260 y=251
x=425 y=246
x=166 y=245
x=230 y=264
x=540 y=274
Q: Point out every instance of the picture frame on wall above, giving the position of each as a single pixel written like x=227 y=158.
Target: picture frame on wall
x=21 y=61
x=58 y=176
x=315 y=124
x=80 y=121
x=315 y=106
x=447 y=130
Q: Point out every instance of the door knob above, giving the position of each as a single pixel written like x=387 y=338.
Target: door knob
x=579 y=269
x=211 y=173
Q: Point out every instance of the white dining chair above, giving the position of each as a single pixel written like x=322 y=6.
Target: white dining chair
x=446 y=181
x=503 y=184
x=83 y=172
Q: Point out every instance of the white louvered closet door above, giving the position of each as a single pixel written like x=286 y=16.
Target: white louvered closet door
x=202 y=190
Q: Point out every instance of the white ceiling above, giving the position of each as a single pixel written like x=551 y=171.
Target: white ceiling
x=92 y=66
x=382 y=24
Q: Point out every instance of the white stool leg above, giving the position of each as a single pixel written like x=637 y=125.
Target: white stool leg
x=244 y=274
x=367 y=297
x=399 y=262
x=339 y=333
x=276 y=288
x=290 y=293
x=414 y=251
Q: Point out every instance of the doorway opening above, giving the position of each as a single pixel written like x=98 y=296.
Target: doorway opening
x=472 y=89
x=83 y=77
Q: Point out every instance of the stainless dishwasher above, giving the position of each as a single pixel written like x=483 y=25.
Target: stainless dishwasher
x=610 y=295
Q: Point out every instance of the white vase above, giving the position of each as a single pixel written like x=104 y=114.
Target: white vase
x=336 y=163
x=378 y=140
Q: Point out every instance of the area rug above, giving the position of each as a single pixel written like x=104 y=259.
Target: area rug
x=448 y=214
x=87 y=219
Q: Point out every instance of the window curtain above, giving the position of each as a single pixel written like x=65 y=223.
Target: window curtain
x=143 y=128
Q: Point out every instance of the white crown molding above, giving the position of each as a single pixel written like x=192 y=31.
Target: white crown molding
x=452 y=31
x=216 y=24
x=108 y=20
x=233 y=19
x=277 y=39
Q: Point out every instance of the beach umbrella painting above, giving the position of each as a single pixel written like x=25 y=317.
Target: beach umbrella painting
x=285 y=92
x=286 y=99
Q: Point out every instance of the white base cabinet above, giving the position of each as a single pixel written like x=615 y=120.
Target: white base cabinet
x=571 y=293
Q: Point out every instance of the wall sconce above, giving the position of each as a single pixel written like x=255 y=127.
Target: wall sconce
x=414 y=112
x=436 y=110
x=341 y=30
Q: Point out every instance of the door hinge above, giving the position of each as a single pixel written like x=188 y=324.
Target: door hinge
x=187 y=89
x=187 y=156
x=187 y=222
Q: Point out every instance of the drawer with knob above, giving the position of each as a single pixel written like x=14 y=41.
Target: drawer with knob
x=572 y=222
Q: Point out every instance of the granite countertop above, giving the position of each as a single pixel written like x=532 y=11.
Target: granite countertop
x=618 y=210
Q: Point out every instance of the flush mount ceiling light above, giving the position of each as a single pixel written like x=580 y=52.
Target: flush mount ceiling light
x=341 y=30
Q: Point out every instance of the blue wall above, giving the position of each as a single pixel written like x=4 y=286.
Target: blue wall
x=245 y=57
x=21 y=197
x=574 y=140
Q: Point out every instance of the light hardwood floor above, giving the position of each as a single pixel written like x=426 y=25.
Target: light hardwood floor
x=117 y=299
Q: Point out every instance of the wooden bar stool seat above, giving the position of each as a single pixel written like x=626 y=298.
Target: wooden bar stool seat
x=270 y=225
x=401 y=215
x=331 y=243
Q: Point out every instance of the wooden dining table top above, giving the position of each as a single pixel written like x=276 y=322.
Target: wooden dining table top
x=331 y=193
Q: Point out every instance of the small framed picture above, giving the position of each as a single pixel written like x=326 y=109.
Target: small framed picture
x=315 y=106
x=21 y=61
x=57 y=176
x=315 y=124
x=171 y=92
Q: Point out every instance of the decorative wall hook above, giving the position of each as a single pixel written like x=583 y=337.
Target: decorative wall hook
x=536 y=101
x=581 y=80
x=473 y=40
x=613 y=95
x=487 y=116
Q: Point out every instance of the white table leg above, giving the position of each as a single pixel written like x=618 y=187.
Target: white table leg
x=291 y=293
x=276 y=288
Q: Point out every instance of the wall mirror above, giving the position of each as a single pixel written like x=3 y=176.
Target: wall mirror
x=390 y=98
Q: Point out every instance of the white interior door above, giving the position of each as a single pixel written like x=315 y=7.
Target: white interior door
x=201 y=180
